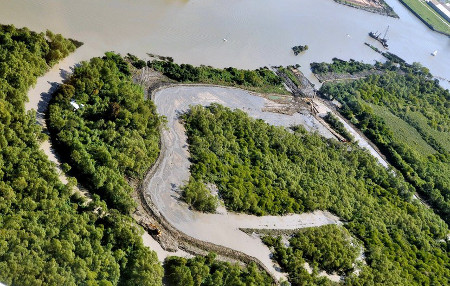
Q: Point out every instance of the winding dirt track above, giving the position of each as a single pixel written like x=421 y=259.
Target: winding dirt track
x=163 y=188
x=173 y=171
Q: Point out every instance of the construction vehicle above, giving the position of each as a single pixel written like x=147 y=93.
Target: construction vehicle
x=151 y=228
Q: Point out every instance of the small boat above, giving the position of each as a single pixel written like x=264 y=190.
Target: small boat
x=434 y=53
x=225 y=40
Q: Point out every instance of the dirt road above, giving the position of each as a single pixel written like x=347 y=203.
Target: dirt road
x=173 y=172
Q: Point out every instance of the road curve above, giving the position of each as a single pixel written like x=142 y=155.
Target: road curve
x=221 y=229
x=173 y=172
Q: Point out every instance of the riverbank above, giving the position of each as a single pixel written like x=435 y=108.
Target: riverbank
x=378 y=7
x=428 y=16
x=332 y=77
x=163 y=31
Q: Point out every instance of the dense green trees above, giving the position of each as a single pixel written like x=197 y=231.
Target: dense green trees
x=206 y=271
x=328 y=248
x=411 y=94
x=298 y=49
x=338 y=126
x=46 y=237
x=59 y=47
x=113 y=135
x=196 y=194
x=263 y=169
x=24 y=56
x=340 y=66
x=260 y=80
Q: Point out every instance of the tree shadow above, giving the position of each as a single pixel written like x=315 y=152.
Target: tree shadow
x=65 y=74
x=45 y=98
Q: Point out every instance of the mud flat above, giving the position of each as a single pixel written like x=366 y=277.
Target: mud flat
x=162 y=254
x=173 y=172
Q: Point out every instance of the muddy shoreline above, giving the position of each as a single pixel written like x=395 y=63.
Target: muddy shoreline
x=385 y=11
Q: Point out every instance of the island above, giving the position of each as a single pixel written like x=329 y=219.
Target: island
x=298 y=49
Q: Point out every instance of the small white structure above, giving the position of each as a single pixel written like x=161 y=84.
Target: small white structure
x=75 y=104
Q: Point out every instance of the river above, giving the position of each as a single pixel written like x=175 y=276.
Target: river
x=258 y=32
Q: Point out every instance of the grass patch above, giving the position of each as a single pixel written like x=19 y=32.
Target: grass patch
x=290 y=75
x=428 y=14
x=403 y=131
x=443 y=138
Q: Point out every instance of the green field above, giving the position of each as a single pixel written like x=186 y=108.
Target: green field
x=428 y=15
x=402 y=131
x=443 y=138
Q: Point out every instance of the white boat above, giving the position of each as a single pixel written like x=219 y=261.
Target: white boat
x=225 y=40
x=434 y=53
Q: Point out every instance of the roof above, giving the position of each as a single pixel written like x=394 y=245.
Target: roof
x=76 y=106
x=443 y=8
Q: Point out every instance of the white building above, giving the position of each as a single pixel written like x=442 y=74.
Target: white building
x=443 y=10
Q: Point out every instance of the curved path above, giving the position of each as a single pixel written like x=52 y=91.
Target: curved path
x=38 y=99
x=173 y=172
x=221 y=229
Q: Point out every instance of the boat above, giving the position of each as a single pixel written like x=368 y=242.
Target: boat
x=434 y=53
x=377 y=36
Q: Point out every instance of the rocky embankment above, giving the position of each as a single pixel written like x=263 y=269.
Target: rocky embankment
x=373 y=6
x=328 y=77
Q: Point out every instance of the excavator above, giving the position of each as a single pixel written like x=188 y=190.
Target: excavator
x=151 y=228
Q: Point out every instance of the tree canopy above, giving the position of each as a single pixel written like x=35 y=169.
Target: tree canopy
x=112 y=135
x=260 y=80
x=47 y=237
x=207 y=271
x=263 y=169
x=329 y=248
x=406 y=98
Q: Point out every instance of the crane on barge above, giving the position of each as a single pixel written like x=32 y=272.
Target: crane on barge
x=382 y=40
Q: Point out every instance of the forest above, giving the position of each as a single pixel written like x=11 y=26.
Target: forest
x=262 y=169
x=329 y=248
x=46 y=236
x=409 y=97
x=207 y=271
x=113 y=137
x=340 y=66
x=260 y=80
x=196 y=194
x=114 y=134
